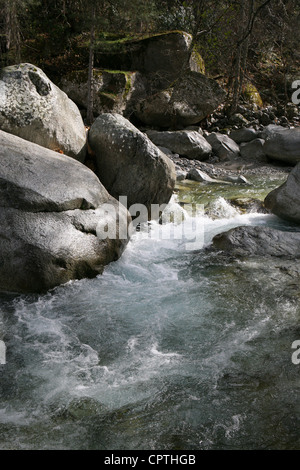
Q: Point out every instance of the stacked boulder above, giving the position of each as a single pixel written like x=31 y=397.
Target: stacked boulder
x=52 y=210
x=58 y=221
x=159 y=80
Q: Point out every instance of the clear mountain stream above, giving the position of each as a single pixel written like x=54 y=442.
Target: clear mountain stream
x=171 y=348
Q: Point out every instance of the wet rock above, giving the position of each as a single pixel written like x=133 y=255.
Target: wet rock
x=238 y=179
x=181 y=175
x=249 y=205
x=259 y=241
x=78 y=409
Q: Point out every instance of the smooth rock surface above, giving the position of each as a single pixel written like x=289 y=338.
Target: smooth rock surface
x=284 y=145
x=52 y=208
x=188 y=144
x=259 y=241
x=270 y=130
x=245 y=134
x=129 y=164
x=190 y=99
x=285 y=200
x=253 y=150
x=33 y=108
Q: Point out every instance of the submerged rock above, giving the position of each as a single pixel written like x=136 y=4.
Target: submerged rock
x=33 y=108
x=259 y=241
x=237 y=179
x=52 y=208
x=246 y=205
x=78 y=409
x=129 y=164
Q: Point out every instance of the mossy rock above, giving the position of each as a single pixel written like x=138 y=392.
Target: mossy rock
x=197 y=62
x=160 y=57
x=112 y=89
x=251 y=95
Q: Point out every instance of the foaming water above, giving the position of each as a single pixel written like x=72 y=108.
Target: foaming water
x=171 y=348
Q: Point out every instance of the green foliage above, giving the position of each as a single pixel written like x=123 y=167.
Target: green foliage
x=55 y=34
x=251 y=94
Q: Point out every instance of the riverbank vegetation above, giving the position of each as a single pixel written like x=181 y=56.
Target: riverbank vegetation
x=245 y=44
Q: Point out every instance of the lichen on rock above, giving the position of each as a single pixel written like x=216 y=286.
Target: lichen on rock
x=34 y=108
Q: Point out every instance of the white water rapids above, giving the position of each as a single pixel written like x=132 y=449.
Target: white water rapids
x=170 y=348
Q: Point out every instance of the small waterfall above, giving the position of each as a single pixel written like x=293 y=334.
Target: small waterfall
x=222 y=209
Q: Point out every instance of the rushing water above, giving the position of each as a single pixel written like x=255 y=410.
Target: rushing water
x=170 y=348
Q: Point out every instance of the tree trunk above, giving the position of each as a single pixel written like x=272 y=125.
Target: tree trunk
x=12 y=29
x=238 y=60
x=90 y=103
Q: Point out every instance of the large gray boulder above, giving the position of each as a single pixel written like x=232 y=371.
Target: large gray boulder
x=223 y=146
x=284 y=145
x=33 y=108
x=259 y=241
x=270 y=130
x=253 y=150
x=191 y=98
x=285 y=200
x=159 y=57
x=245 y=134
x=189 y=144
x=129 y=164
x=52 y=219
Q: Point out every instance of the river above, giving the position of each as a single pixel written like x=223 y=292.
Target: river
x=171 y=348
